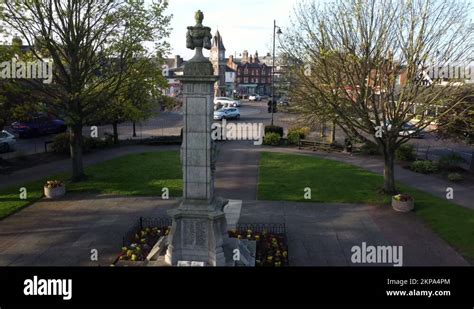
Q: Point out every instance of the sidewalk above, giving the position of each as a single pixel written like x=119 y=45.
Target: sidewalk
x=463 y=196
x=41 y=171
x=63 y=232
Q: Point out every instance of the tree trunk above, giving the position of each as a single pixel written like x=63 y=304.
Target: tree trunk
x=116 y=138
x=134 y=130
x=323 y=128
x=333 y=133
x=471 y=166
x=388 y=174
x=76 y=142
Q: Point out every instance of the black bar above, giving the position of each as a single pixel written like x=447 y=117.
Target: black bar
x=358 y=285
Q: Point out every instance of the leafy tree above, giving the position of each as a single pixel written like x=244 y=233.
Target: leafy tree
x=90 y=43
x=19 y=98
x=139 y=95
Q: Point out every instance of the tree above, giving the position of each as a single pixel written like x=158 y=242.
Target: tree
x=90 y=43
x=19 y=98
x=364 y=62
x=139 y=95
x=459 y=125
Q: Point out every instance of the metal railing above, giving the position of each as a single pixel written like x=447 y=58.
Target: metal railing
x=143 y=223
x=271 y=228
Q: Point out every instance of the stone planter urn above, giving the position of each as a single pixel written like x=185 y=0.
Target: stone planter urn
x=403 y=203
x=54 y=189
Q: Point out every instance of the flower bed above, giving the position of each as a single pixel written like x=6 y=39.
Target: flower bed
x=141 y=238
x=272 y=247
x=144 y=242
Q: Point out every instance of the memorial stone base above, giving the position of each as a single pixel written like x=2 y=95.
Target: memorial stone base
x=199 y=233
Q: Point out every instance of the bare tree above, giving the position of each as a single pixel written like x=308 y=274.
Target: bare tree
x=364 y=63
x=459 y=125
x=90 y=43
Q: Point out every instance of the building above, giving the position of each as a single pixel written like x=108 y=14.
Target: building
x=230 y=77
x=238 y=77
x=252 y=76
x=218 y=60
x=172 y=68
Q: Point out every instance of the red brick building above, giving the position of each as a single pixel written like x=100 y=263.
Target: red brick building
x=252 y=75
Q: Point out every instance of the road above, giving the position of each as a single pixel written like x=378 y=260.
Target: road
x=166 y=123
x=170 y=123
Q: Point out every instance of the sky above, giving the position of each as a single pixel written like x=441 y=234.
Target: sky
x=243 y=24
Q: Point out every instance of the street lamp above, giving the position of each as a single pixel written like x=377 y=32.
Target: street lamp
x=275 y=32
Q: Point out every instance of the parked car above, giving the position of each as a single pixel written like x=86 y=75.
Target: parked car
x=255 y=97
x=410 y=130
x=38 y=125
x=227 y=113
x=407 y=129
x=7 y=141
x=283 y=102
x=224 y=100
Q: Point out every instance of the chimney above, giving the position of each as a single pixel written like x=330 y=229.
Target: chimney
x=251 y=59
x=256 y=60
x=178 y=61
x=231 y=58
x=245 y=56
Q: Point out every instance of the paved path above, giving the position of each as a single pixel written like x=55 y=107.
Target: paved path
x=463 y=195
x=39 y=172
x=63 y=233
x=324 y=234
x=237 y=170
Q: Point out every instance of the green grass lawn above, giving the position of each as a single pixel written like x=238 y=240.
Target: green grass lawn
x=284 y=177
x=142 y=174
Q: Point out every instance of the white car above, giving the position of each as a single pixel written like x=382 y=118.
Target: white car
x=224 y=101
x=227 y=113
x=7 y=141
x=255 y=97
x=408 y=129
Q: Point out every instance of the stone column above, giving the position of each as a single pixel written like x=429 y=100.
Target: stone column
x=199 y=227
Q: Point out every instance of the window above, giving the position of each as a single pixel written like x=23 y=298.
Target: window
x=246 y=80
x=246 y=71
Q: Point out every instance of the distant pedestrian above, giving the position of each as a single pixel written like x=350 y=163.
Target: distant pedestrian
x=348 y=145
